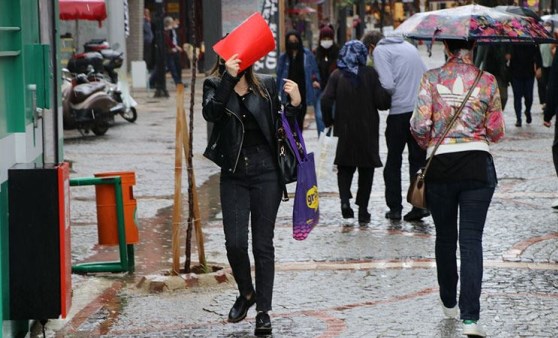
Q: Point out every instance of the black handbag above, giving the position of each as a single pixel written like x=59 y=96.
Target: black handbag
x=286 y=157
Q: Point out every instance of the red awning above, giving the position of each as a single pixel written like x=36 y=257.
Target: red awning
x=94 y=10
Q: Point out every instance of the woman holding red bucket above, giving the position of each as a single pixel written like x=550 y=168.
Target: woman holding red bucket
x=244 y=109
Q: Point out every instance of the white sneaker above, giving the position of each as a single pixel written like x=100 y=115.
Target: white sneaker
x=473 y=329
x=555 y=204
x=450 y=312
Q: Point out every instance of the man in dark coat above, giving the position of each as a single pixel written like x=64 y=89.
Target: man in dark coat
x=550 y=110
x=524 y=60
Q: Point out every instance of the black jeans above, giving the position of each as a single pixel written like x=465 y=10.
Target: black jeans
x=301 y=116
x=471 y=200
x=522 y=88
x=542 y=84
x=398 y=135
x=252 y=192
x=345 y=179
x=555 y=148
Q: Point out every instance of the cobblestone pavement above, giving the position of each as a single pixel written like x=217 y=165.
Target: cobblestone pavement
x=344 y=280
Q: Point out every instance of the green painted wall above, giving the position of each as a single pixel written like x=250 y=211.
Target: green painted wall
x=3 y=246
x=20 y=65
x=11 y=69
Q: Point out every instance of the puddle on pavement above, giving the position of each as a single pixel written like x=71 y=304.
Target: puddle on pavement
x=112 y=310
x=154 y=250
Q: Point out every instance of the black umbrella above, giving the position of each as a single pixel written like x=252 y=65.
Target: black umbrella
x=519 y=11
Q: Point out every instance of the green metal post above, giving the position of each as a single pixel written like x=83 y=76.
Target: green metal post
x=126 y=252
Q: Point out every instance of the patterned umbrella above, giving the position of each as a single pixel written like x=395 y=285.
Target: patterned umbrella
x=473 y=22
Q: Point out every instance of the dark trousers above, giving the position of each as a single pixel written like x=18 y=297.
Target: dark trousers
x=398 y=135
x=301 y=115
x=345 y=179
x=555 y=148
x=173 y=66
x=542 y=83
x=503 y=89
x=471 y=199
x=522 y=88
x=252 y=193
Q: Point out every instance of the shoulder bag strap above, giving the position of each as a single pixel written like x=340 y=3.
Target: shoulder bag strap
x=452 y=122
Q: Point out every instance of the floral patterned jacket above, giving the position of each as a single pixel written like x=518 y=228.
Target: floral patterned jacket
x=442 y=91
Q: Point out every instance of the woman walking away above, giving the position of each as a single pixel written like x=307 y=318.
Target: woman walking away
x=244 y=109
x=357 y=94
x=461 y=178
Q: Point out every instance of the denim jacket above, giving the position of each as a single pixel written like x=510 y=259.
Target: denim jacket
x=311 y=73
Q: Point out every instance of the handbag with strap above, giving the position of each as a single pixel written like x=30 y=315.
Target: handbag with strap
x=416 y=195
x=286 y=150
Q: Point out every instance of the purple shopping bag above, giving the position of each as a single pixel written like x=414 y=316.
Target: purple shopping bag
x=306 y=211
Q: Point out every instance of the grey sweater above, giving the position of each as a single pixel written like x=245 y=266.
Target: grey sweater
x=400 y=68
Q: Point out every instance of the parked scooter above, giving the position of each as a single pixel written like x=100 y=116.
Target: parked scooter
x=97 y=53
x=129 y=113
x=112 y=59
x=87 y=105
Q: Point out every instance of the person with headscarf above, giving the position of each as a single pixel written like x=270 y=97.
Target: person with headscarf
x=400 y=68
x=357 y=94
x=298 y=64
x=461 y=178
x=326 y=57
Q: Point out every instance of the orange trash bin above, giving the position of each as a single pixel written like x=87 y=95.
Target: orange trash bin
x=106 y=209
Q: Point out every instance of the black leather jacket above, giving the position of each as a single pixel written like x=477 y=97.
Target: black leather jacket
x=221 y=107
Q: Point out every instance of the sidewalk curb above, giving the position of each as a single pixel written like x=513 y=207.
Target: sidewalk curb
x=160 y=283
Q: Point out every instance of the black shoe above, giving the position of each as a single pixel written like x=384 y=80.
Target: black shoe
x=363 y=216
x=518 y=124
x=528 y=119
x=240 y=308
x=346 y=211
x=393 y=215
x=263 y=324
x=416 y=214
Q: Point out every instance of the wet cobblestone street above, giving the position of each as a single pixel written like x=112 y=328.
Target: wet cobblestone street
x=344 y=280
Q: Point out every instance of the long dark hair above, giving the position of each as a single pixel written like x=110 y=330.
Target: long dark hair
x=251 y=77
x=454 y=46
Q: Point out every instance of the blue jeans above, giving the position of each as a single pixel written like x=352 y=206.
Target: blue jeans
x=253 y=193
x=173 y=66
x=471 y=199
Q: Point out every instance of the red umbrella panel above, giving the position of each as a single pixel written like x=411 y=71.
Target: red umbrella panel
x=94 y=10
x=473 y=22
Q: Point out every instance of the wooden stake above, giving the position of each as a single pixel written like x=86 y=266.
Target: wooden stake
x=195 y=215
x=177 y=211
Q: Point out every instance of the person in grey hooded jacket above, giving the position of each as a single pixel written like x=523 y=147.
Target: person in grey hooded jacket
x=400 y=68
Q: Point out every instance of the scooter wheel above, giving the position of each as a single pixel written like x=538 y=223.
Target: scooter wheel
x=100 y=128
x=130 y=115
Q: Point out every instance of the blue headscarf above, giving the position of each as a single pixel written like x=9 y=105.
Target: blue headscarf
x=353 y=55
